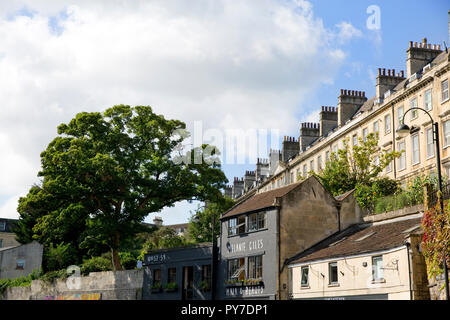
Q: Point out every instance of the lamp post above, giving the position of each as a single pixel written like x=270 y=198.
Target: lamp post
x=214 y=256
x=403 y=131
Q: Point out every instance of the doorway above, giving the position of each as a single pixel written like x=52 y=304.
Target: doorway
x=188 y=283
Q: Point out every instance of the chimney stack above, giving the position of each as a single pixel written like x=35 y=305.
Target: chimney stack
x=289 y=149
x=328 y=120
x=308 y=133
x=349 y=102
x=158 y=221
x=274 y=158
x=419 y=55
x=387 y=81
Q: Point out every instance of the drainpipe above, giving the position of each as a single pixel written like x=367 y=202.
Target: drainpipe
x=393 y=141
x=338 y=207
x=278 y=252
x=409 y=271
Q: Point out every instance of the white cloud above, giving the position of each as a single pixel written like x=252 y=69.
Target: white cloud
x=346 y=31
x=246 y=64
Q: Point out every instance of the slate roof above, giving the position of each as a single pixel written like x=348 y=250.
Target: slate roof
x=259 y=201
x=360 y=239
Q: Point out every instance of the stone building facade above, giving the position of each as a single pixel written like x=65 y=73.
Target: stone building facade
x=259 y=234
x=425 y=85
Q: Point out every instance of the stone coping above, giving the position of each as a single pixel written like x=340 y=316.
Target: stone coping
x=418 y=208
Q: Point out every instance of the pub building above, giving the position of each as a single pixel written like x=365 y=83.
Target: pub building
x=182 y=273
x=259 y=234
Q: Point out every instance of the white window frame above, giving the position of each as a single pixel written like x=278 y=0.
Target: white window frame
x=425 y=100
x=376 y=127
x=402 y=158
x=415 y=153
x=444 y=91
x=389 y=165
x=377 y=271
x=387 y=123
x=428 y=144
x=446 y=133
x=365 y=133
x=415 y=112
x=400 y=116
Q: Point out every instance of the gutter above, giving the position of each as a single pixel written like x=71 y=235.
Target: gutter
x=408 y=245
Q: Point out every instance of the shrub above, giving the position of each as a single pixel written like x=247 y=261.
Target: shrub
x=59 y=257
x=97 y=264
x=18 y=282
x=127 y=260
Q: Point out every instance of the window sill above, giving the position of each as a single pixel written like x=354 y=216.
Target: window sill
x=444 y=101
x=305 y=287
x=428 y=158
x=333 y=285
x=379 y=281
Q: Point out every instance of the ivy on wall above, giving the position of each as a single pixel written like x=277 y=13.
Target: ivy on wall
x=436 y=238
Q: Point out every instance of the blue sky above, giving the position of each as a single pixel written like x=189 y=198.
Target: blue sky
x=266 y=64
x=401 y=22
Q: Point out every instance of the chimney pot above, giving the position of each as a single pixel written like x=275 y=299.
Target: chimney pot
x=410 y=44
x=384 y=71
x=439 y=47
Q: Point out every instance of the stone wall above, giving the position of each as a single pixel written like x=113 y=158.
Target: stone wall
x=435 y=287
x=108 y=285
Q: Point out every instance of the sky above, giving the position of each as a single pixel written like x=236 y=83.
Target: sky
x=223 y=66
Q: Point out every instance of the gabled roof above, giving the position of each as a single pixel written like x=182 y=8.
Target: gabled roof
x=360 y=239
x=259 y=201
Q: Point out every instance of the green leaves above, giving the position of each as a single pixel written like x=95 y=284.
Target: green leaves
x=107 y=172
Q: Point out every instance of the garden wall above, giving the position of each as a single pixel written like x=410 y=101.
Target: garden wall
x=108 y=285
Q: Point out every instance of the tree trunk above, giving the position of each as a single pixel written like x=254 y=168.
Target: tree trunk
x=115 y=253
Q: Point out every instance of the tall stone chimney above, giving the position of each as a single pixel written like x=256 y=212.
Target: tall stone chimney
x=158 y=221
x=238 y=187
x=349 y=102
x=274 y=158
x=419 y=55
x=328 y=120
x=386 y=81
x=228 y=191
x=308 y=133
x=249 y=179
x=262 y=169
x=290 y=148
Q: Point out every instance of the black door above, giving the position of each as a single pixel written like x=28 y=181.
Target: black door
x=188 y=283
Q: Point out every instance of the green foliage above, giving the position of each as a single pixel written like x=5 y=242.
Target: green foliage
x=18 y=282
x=106 y=172
x=171 y=286
x=412 y=195
x=156 y=285
x=358 y=165
x=128 y=260
x=436 y=238
x=59 y=257
x=162 y=238
x=204 y=285
x=200 y=223
x=51 y=276
x=367 y=195
x=97 y=264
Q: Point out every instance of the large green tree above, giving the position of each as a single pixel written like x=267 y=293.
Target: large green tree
x=109 y=170
x=357 y=165
x=200 y=224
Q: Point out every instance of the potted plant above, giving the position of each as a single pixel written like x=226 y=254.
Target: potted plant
x=156 y=287
x=171 y=287
x=204 y=285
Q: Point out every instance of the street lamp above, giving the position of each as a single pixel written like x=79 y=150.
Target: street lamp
x=214 y=256
x=403 y=131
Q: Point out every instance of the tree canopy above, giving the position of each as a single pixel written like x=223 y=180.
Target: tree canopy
x=106 y=172
x=200 y=224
